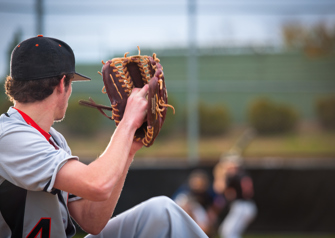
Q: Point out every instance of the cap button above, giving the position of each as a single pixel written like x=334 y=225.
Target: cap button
x=39 y=35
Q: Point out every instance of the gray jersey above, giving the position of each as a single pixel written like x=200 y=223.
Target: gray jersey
x=29 y=205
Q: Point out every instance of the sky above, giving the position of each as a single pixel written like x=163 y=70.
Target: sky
x=98 y=29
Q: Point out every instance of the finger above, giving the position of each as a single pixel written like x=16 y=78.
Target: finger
x=143 y=92
x=135 y=90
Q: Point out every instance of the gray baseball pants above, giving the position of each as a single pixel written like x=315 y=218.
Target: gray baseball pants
x=241 y=214
x=158 y=217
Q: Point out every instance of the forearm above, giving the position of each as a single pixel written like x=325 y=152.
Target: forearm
x=93 y=216
x=112 y=163
x=98 y=179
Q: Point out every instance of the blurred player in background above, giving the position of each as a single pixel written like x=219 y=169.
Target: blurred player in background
x=232 y=180
x=198 y=199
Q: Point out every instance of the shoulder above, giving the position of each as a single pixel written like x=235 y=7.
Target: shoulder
x=12 y=122
x=56 y=135
x=60 y=140
x=15 y=131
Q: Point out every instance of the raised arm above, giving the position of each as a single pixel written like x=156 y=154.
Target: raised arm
x=102 y=180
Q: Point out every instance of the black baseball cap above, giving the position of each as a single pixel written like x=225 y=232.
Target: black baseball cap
x=43 y=57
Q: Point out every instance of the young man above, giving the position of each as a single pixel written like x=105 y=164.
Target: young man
x=42 y=184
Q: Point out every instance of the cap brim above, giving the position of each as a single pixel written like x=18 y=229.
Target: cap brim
x=80 y=77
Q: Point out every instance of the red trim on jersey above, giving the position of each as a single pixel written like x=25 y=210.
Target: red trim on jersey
x=33 y=124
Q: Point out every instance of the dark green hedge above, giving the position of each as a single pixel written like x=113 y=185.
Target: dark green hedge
x=214 y=119
x=325 y=109
x=269 y=117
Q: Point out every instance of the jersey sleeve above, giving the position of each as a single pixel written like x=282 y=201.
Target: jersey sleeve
x=28 y=160
x=73 y=198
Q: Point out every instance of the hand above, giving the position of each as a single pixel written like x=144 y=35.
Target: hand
x=136 y=108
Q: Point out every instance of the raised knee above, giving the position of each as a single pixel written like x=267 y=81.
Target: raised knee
x=161 y=205
x=161 y=201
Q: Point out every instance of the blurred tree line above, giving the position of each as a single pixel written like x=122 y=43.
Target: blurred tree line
x=315 y=41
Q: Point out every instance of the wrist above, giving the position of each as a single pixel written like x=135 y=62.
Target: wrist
x=127 y=126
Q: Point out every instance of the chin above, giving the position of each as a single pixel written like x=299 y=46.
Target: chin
x=59 y=119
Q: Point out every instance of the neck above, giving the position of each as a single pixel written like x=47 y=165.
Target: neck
x=40 y=112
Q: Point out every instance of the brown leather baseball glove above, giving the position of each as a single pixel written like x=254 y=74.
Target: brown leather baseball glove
x=120 y=76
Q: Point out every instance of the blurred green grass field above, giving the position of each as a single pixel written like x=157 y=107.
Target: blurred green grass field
x=309 y=141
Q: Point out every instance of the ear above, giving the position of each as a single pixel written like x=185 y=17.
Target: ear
x=61 y=86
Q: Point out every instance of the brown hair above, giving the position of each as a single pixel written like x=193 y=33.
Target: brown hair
x=33 y=90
